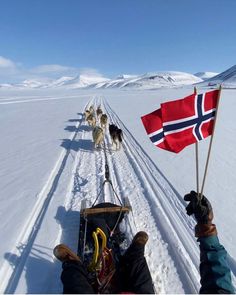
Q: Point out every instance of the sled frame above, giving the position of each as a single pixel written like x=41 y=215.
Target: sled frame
x=90 y=211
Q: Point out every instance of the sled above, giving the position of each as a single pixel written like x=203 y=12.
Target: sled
x=106 y=216
x=100 y=237
x=100 y=240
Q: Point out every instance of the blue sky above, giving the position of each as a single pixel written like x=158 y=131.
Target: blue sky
x=115 y=37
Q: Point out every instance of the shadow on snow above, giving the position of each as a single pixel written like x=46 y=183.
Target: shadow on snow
x=85 y=145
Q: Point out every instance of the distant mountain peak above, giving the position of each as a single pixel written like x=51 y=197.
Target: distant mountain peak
x=227 y=79
x=152 y=80
x=205 y=75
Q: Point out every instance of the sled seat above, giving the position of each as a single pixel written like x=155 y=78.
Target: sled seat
x=90 y=211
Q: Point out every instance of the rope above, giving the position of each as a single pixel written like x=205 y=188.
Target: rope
x=97 y=196
x=116 y=193
x=117 y=222
x=85 y=236
x=107 y=175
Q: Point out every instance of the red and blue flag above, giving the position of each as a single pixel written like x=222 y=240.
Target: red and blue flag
x=182 y=122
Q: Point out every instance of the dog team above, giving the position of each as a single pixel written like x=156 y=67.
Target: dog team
x=99 y=131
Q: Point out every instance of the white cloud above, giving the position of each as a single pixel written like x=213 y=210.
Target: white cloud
x=90 y=72
x=14 y=72
x=6 y=63
x=43 y=69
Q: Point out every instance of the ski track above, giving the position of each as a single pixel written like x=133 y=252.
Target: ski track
x=36 y=99
x=85 y=184
x=10 y=272
x=156 y=208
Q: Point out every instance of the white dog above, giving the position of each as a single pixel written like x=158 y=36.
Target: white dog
x=98 y=136
x=103 y=120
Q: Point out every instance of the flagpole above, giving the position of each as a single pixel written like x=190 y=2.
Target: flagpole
x=197 y=167
x=210 y=145
x=196 y=154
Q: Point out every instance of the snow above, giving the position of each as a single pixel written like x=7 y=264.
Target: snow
x=227 y=79
x=151 y=81
x=31 y=83
x=146 y=81
x=48 y=166
x=68 y=82
x=205 y=75
x=125 y=76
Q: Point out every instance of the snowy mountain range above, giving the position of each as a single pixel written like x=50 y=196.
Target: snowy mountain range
x=78 y=81
x=151 y=81
x=156 y=80
x=146 y=81
x=227 y=79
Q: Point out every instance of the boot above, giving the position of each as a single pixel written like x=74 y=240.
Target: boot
x=140 y=238
x=64 y=253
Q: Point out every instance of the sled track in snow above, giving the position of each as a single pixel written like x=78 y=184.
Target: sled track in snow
x=165 y=205
x=4 y=101
x=88 y=166
x=10 y=273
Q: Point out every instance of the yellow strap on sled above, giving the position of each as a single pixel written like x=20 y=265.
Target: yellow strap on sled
x=95 y=253
x=95 y=234
x=103 y=236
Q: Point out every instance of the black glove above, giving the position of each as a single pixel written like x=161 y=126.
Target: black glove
x=201 y=209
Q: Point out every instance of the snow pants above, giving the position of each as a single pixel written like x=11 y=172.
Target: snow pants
x=133 y=274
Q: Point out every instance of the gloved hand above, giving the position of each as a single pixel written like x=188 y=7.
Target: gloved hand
x=202 y=211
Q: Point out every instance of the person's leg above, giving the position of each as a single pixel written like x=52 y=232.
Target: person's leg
x=74 y=278
x=136 y=275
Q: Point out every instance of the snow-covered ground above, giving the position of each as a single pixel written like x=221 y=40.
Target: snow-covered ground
x=48 y=165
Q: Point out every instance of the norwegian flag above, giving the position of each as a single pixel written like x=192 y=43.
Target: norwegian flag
x=182 y=122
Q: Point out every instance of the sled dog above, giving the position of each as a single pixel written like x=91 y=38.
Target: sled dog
x=91 y=109
x=99 y=111
x=98 y=136
x=91 y=120
x=86 y=114
x=116 y=136
x=103 y=120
